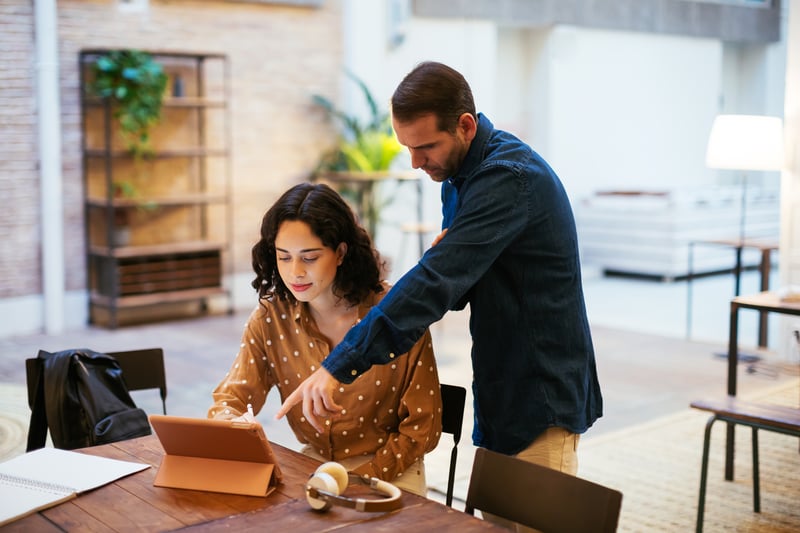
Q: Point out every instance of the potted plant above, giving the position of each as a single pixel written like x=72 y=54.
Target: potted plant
x=362 y=156
x=121 y=230
x=133 y=84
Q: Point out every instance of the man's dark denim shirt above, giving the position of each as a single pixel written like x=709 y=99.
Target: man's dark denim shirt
x=511 y=252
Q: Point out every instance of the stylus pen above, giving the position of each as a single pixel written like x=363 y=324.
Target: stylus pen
x=250 y=410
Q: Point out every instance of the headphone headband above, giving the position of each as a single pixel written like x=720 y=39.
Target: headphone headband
x=390 y=503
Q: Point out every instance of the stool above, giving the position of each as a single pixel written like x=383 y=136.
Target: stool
x=757 y=416
x=414 y=228
x=418 y=227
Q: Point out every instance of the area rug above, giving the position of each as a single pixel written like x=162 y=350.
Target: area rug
x=14 y=417
x=657 y=468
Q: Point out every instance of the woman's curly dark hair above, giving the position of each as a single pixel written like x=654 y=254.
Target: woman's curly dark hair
x=330 y=219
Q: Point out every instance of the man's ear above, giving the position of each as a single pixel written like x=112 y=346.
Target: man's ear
x=468 y=126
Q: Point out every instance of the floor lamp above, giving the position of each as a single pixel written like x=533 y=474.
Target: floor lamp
x=745 y=142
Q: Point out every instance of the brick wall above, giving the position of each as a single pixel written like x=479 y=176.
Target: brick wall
x=279 y=55
x=19 y=180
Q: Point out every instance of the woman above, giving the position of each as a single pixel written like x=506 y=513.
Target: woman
x=317 y=275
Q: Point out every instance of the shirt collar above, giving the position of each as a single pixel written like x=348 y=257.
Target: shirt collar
x=475 y=152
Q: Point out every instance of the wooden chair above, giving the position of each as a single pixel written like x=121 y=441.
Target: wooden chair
x=453 y=398
x=540 y=497
x=777 y=418
x=141 y=370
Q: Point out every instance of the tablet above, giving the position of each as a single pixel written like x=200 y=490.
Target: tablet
x=228 y=456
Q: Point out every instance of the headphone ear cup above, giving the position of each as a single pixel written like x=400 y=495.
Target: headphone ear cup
x=337 y=472
x=321 y=481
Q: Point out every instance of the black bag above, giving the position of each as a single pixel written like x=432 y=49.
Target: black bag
x=82 y=398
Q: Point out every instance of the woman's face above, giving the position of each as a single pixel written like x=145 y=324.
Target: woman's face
x=306 y=266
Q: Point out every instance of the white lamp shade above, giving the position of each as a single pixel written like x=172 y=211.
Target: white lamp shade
x=746 y=142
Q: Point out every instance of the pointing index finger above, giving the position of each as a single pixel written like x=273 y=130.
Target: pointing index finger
x=293 y=399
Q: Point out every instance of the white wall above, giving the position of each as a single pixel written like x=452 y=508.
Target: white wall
x=468 y=46
x=629 y=110
x=607 y=109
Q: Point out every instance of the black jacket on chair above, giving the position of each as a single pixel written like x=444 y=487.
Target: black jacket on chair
x=81 y=397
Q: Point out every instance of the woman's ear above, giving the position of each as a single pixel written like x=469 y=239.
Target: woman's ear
x=341 y=251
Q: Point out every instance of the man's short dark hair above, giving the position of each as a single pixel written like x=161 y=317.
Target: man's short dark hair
x=433 y=88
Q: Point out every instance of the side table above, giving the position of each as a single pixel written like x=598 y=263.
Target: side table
x=764 y=302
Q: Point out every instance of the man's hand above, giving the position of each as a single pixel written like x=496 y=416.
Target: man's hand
x=438 y=238
x=316 y=393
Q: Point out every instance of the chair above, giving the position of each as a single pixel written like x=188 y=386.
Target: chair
x=777 y=418
x=144 y=369
x=141 y=370
x=540 y=497
x=453 y=398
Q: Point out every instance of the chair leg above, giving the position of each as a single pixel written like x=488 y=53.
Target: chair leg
x=451 y=477
x=704 y=474
x=756 y=484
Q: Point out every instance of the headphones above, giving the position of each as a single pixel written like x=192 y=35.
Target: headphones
x=325 y=485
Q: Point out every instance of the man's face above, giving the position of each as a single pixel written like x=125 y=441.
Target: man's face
x=439 y=153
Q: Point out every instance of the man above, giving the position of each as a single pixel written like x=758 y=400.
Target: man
x=510 y=250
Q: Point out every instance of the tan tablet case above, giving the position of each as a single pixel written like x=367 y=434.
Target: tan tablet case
x=215 y=455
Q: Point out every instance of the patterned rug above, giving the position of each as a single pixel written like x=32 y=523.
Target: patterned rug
x=14 y=417
x=657 y=468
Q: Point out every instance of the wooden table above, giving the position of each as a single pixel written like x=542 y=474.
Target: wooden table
x=134 y=504
x=367 y=207
x=764 y=302
x=765 y=246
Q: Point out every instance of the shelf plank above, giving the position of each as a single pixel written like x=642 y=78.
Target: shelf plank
x=182 y=101
x=163 y=53
x=162 y=154
x=160 y=201
x=193 y=101
x=141 y=300
x=155 y=249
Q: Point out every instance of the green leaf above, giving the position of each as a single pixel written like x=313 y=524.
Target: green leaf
x=356 y=158
x=136 y=84
x=105 y=64
x=365 y=146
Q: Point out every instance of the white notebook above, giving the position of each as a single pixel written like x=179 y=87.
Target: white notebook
x=48 y=476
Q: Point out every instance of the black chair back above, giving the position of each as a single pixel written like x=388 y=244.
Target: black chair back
x=539 y=497
x=453 y=398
